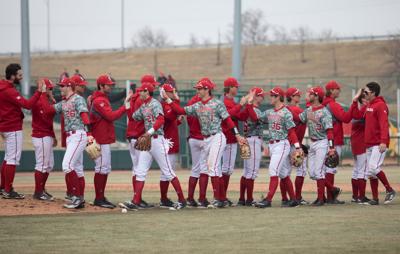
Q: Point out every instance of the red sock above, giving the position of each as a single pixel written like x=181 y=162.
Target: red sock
x=222 y=193
x=243 y=185
x=298 y=182
x=329 y=182
x=250 y=188
x=9 y=177
x=68 y=184
x=354 y=187
x=45 y=177
x=99 y=185
x=226 y=182
x=133 y=183
x=3 y=175
x=283 y=189
x=382 y=177
x=74 y=183
x=192 y=187
x=374 y=188
x=216 y=187
x=39 y=177
x=138 y=192
x=81 y=186
x=203 y=182
x=104 y=183
x=362 y=184
x=164 y=190
x=178 y=189
x=289 y=187
x=273 y=185
x=321 y=189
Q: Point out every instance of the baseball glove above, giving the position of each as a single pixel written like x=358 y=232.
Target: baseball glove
x=143 y=143
x=305 y=149
x=332 y=160
x=245 y=152
x=93 y=149
x=297 y=158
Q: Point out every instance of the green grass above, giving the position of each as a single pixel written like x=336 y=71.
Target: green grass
x=331 y=229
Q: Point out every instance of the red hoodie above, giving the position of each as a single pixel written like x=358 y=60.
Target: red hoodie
x=171 y=124
x=233 y=110
x=339 y=116
x=193 y=122
x=135 y=128
x=102 y=118
x=11 y=103
x=42 y=123
x=376 y=116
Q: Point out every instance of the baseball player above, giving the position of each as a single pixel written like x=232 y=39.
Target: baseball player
x=281 y=130
x=320 y=129
x=43 y=139
x=211 y=113
x=253 y=131
x=77 y=127
x=152 y=114
x=199 y=171
x=11 y=117
x=376 y=139
x=231 y=86
x=101 y=118
x=339 y=116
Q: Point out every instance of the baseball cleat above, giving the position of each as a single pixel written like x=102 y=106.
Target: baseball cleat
x=43 y=196
x=166 y=203
x=76 y=203
x=318 y=203
x=263 y=204
x=191 y=203
x=335 y=202
x=228 y=202
x=48 y=194
x=68 y=196
x=303 y=202
x=129 y=206
x=336 y=192
x=241 y=203
x=12 y=195
x=179 y=205
x=293 y=203
x=354 y=200
x=373 y=202
x=364 y=201
x=103 y=203
x=203 y=204
x=1 y=192
x=389 y=197
x=285 y=203
x=250 y=202
x=144 y=205
x=218 y=204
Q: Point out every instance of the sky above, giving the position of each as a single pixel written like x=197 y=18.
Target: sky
x=96 y=24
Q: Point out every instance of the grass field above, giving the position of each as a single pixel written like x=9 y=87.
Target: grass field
x=348 y=228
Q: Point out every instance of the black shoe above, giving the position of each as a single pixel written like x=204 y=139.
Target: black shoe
x=364 y=201
x=166 y=203
x=1 y=192
x=103 y=203
x=250 y=202
x=241 y=203
x=228 y=202
x=129 y=206
x=318 y=203
x=263 y=204
x=335 y=202
x=68 y=196
x=203 y=204
x=354 y=200
x=179 y=205
x=293 y=203
x=144 y=205
x=336 y=192
x=373 y=202
x=48 y=194
x=285 y=203
x=76 y=203
x=12 y=195
x=43 y=196
x=389 y=197
x=191 y=203
x=303 y=202
x=218 y=204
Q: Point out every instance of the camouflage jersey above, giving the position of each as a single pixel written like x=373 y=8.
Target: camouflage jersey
x=317 y=129
x=71 y=109
x=210 y=115
x=148 y=112
x=252 y=128
x=279 y=122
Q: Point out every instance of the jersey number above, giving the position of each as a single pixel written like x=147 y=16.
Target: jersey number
x=276 y=126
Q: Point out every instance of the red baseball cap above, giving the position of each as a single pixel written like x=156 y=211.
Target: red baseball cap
x=48 y=83
x=105 y=79
x=292 y=91
x=66 y=82
x=205 y=83
x=149 y=79
x=258 y=91
x=79 y=80
x=332 y=85
x=168 y=87
x=277 y=91
x=146 y=87
x=231 y=82
x=318 y=91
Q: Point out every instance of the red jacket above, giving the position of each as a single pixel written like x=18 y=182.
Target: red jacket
x=300 y=126
x=42 y=123
x=193 y=122
x=11 y=103
x=135 y=128
x=171 y=130
x=357 y=137
x=376 y=115
x=339 y=116
x=233 y=110
x=102 y=118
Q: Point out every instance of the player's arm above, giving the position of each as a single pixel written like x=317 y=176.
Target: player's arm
x=244 y=114
x=339 y=112
x=383 y=123
x=327 y=125
x=16 y=98
x=356 y=112
x=157 y=124
x=169 y=113
x=106 y=111
x=290 y=126
x=302 y=117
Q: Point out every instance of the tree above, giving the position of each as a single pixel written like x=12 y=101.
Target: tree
x=280 y=34
x=193 y=41
x=329 y=36
x=301 y=34
x=255 y=27
x=392 y=49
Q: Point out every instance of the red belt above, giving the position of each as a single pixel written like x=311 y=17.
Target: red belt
x=207 y=136
x=69 y=133
x=315 y=140
x=274 y=141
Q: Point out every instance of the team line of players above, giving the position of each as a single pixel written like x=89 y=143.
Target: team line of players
x=213 y=139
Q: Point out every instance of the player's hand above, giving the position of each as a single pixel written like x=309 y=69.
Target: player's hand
x=251 y=95
x=358 y=94
x=300 y=150
x=176 y=96
x=55 y=142
x=163 y=94
x=181 y=118
x=382 y=148
x=41 y=86
x=241 y=140
x=127 y=101
x=243 y=100
x=90 y=139
x=89 y=101
x=331 y=151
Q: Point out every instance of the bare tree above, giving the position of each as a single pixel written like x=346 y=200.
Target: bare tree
x=392 y=49
x=330 y=37
x=255 y=27
x=302 y=34
x=206 y=42
x=280 y=34
x=193 y=41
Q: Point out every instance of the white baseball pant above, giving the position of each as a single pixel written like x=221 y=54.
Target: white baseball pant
x=159 y=151
x=173 y=158
x=229 y=158
x=73 y=157
x=44 y=153
x=134 y=155
x=374 y=161
x=214 y=146
x=278 y=165
x=251 y=167
x=334 y=170
x=316 y=159
x=198 y=155
x=360 y=168
x=103 y=163
x=12 y=147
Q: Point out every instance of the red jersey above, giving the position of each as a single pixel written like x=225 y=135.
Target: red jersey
x=193 y=122
x=300 y=126
x=357 y=137
x=11 y=104
x=233 y=110
x=171 y=124
x=102 y=118
x=42 y=123
x=135 y=128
